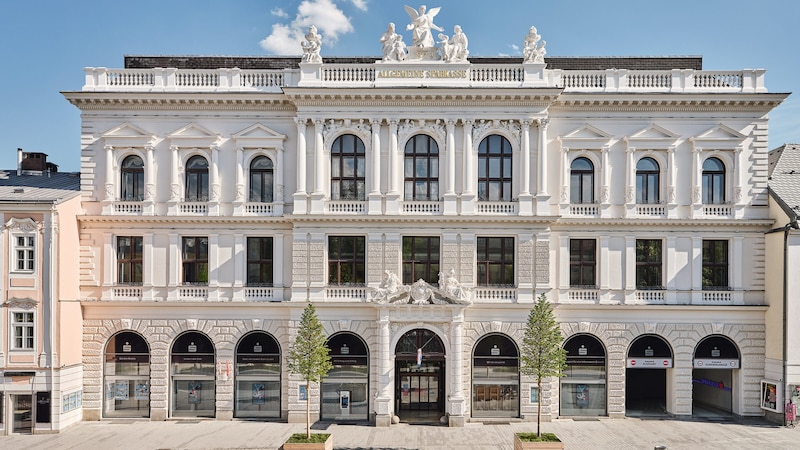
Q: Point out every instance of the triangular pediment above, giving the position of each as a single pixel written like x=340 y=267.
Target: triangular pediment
x=720 y=132
x=654 y=132
x=586 y=136
x=260 y=136
x=128 y=135
x=193 y=135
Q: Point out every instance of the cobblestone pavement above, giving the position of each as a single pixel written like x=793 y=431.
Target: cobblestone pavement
x=629 y=433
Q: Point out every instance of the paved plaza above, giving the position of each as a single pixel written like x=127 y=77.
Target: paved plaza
x=629 y=433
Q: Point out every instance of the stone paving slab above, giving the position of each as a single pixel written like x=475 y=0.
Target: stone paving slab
x=621 y=434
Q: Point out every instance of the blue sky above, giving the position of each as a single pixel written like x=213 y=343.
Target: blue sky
x=44 y=45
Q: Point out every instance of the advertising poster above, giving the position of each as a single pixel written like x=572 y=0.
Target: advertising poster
x=769 y=396
x=110 y=391
x=194 y=392
x=121 y=392
x=534 y=394
x=142 y=391
x=582 y=395
x=405 y=392
x=302 y=392
x=258 y=394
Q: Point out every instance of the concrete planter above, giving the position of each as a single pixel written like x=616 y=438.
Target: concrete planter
x=327 y=445
x=521 y=445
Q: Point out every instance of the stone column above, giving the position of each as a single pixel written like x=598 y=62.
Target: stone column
x=374 y=206
x=300 y=196
x=383 y=398
x=467 y=184
x=630 y=179
x=456 y=399
x=239 y=196
x=175 y=182
x=278 y=194
x=605 y=195
x=213 y=204
x=525 y=198
x=542 y=197
x=318 y=194
x=395 y=171
x=110 y=194
x=149 y=181
x=450 y=198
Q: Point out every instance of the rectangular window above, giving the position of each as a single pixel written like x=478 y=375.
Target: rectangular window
x=582 y=263
x=129 y=259
x=259 y=261
x=648 y=264
x=22 y=326
x=495 y=261
x=715 y=265
x=420 y=259
x=347 y=260
x=195 y=260
x=25 y=251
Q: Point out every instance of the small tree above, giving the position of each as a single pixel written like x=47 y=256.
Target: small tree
x=308 y=355
x=542 y=355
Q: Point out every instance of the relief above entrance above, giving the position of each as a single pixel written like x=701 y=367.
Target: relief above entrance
x=448 y=292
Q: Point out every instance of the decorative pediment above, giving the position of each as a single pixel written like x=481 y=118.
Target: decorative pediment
x=654 y=136
x=194 y=135
x=258 y=136
x=26 y=225
x=21 y=303
x=128 y=135
x=448 y=292
x=720 y=137
x=587 y=136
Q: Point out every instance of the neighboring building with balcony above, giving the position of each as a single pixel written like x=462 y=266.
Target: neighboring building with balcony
x=40 y=344
x=222 y=194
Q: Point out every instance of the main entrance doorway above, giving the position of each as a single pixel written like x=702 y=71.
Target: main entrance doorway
x=716 y=360
x=23 y=413
x=649 y=360
x=419 y=375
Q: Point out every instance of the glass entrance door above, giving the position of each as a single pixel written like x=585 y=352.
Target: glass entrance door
x=420 y=388
x=23 y=414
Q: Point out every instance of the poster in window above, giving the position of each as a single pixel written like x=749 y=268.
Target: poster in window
x=142 y=391
x=258 y=394
x=121 y=391
x=302 y=392
x=582 y=395
x=65 y=403
x=534 y=394
x=769 y=396
x=194 y=388
x=110 y=391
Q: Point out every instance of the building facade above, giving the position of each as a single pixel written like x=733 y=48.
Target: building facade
x=40 y=345
x=422 y=202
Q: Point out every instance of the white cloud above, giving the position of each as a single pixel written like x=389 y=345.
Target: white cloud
x=279 y=12
x=360 y=4
x=514 y=47
x=324 y=14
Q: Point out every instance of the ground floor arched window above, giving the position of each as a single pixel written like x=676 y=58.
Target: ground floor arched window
x=258 y=376
x=345 y=390
x=495 y=377
x=715 y=364
x=126 y=376
x=193 y=383
x=583 y=387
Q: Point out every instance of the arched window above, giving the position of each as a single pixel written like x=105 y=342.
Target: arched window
x=495 y=377
x=127 y=376
x=261 y=177
x=348 y=168
x=258 y=376
x=647 y=181
x=583 y=386
x=421 y=169
x=713 y=181
x=197 y=179
x=345 y=389
x=494 y=169
x=581 y=181
x=193 y=376
x=132 y=179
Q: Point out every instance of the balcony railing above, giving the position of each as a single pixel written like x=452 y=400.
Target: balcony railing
x=646 y=210
x=497 y=208
x=422 y=207
x=477 y=75
x=496 y=294
x=128 y=208
x=344 y=293
x=260 y=294
x=194 y=208
x=650 y=296
x=124 y=292
x=193 y=292
x=583 y=209
x=583 y=295
x=259 y=209
x=347 y=206
x=722 y=211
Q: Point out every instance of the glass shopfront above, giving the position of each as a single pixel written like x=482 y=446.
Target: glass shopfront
x=193 y=382
x=495 y=377
x=258 y=376
x=126 y=376
x=345 y=389
x=583 y=387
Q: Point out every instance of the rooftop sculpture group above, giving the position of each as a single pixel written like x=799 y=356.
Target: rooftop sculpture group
x=423 y=47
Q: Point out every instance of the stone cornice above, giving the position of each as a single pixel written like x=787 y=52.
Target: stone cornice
x=611 y=103
x=566 y=223
x=151 y=221
x=87 y=101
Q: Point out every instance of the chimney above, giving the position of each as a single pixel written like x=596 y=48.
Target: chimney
x=19 y=162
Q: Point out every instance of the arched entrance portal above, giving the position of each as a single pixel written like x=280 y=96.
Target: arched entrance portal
x=495 y=377
x=345 y=388
x=419 y=375
x=193 y=376
x=258 y=376
x=716 y=359
x=649 y=358
x=126 y=376
x=583 y=387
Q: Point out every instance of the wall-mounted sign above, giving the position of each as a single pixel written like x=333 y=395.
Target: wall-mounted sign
x=649 y=363
x=771 y=398
x=702 y=363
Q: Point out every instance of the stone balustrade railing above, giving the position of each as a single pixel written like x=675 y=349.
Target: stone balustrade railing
x=434 y=74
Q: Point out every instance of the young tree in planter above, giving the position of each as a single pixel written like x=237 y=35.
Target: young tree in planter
x=542 y=355
x=308 y=355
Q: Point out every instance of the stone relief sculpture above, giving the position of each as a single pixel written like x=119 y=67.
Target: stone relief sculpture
x=312 y=46
x=532 y=50
x=459 y=43
x=421 y=25
x=392 y=291
x=392 y=45
x=450 y=285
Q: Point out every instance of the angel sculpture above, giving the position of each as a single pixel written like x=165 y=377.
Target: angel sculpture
x=421 y=24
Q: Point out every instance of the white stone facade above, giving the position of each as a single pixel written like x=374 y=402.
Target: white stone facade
x=548 y=117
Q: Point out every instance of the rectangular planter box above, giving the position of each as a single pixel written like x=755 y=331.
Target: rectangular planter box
x=327 y=445
x=519 y=445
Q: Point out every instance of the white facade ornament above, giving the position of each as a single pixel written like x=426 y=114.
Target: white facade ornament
x=485 y=127
x=392 y=291
x=454 y=49
x=344 y=325
x=533 y=51
x=392 y=45
x=629 y=194
x=22 y=225
x=421 y=36
x=671 y=194
x=409 y=127
x=239 y=193
x=564 y=194
x=312 y=46
x=174 y=192
x=150 y=191
x=390 y=287
x=696 y=193
x=603 y=194
x=737 y=194
x=450 y=285
x=496 y=326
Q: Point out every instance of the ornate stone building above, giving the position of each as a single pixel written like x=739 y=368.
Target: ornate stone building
x=222 y=194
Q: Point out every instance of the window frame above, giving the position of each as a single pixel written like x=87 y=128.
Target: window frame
x=582 y=263
x=195 y=264
x=710 y=181
x=339 y=264
x=264 y=177
x=582 y=175
x=339 y=155
x=15 y=325
x=644 y=265
x=130 y=262
x=484 y=261
x=136 y=175
x=504 y=183
x=265 y=259
x=644 y=179
x=716 y=268
x=429 y=156
x=428 y=266
x=24 y=252
x=201 y=184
